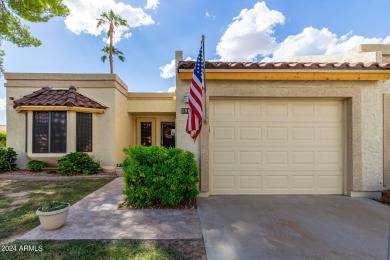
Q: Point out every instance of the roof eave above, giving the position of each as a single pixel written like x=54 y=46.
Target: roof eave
x=60 y=108
x=289 y=74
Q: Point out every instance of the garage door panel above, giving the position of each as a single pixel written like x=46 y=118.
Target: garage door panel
x=276 y=146
x=249 y=182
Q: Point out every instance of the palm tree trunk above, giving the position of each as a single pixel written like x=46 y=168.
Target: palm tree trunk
x=111 y=43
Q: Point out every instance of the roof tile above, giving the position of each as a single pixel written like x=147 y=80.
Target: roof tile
x=53 y=97
x=288 y=65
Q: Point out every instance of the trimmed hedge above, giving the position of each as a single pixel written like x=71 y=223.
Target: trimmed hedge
x=77 y=163
x=7 y=159
x=36 y=165
x=156 y=175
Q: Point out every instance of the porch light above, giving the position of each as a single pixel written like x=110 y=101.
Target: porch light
x=185 y=98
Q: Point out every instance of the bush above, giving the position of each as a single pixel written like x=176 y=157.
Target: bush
x=77 y=163
x=3 y=139
x=157 y=175
x=7 y=159
x=36 y=165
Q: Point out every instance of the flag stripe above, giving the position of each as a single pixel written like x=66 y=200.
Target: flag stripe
x=195 y=100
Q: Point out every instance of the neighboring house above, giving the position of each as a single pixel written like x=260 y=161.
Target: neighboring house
x=3 y=128
x=272 y=128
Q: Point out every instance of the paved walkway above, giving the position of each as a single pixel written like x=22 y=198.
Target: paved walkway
x=294 y=227
x=96 y=217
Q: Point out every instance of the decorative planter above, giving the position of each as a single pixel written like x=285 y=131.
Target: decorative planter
x=54 y=219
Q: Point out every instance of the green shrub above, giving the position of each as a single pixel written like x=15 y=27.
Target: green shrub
x=77 y=163
x=157 y=175
x=7 y=159
x=3 y=139
x=36 y=165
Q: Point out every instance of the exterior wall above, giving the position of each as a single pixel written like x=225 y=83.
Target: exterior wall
x=183 y=140
x=364 y=120
x=122 y=124
x=103 y=88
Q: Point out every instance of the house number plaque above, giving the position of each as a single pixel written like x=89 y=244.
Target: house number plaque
x=185 y=110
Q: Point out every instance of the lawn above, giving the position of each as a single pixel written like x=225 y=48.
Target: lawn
x=19 y=201
x=87 y=249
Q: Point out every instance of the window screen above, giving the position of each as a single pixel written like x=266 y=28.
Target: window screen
x=146 y=133
x=41 y=132
x=58 y=132
x=84 y=132
x=49 y=132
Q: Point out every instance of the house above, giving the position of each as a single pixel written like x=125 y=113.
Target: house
x=317 y=125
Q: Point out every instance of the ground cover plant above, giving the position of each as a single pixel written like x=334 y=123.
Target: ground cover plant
x=156 y=175
x=20 y=199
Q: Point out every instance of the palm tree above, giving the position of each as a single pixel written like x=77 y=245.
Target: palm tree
x=113 y=21
x=114 y=51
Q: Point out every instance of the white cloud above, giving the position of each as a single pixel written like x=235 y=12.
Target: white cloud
x=151 y=4
x=169 y=70
x=84 y=14
x=250 y=34
x=3 y=104
x=172 y=89
x=313 y=41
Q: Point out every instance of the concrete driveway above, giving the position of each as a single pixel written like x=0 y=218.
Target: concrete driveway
x=294 y=227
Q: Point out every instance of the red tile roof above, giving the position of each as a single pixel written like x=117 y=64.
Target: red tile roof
x=288 y=65
x=57 y=97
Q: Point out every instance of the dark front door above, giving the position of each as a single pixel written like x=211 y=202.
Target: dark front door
x=168 y=134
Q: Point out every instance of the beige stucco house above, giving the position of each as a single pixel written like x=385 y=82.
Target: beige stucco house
x=316 y=125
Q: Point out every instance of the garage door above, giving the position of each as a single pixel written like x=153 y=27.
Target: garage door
x=276 y=146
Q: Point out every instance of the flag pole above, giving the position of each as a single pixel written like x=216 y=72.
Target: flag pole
x=204 y=83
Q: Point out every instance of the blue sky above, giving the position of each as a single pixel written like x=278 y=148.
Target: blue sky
x=245 y=30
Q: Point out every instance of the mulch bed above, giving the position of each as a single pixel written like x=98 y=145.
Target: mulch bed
x=385 y=197
x=189 y=204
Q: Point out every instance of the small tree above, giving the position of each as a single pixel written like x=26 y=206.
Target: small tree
x=113 y=20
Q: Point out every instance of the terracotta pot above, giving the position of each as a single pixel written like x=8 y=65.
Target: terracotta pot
x=54 y=219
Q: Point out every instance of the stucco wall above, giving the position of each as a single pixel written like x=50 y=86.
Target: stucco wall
x=365 y=160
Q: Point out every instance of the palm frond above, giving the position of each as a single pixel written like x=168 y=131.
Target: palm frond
x=121 y=58
x=103 y=58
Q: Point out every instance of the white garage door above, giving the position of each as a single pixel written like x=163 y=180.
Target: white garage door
x=276 y=146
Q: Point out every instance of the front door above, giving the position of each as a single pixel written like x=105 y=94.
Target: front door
x=168 y=134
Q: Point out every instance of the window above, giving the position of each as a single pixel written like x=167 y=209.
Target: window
x=49 y=132
x=83 y=132
x=146 y=133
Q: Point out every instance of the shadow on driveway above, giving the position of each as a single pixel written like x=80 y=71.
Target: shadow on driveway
x=291 y=227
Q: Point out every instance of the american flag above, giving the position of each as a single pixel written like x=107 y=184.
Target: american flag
x=195 y=100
